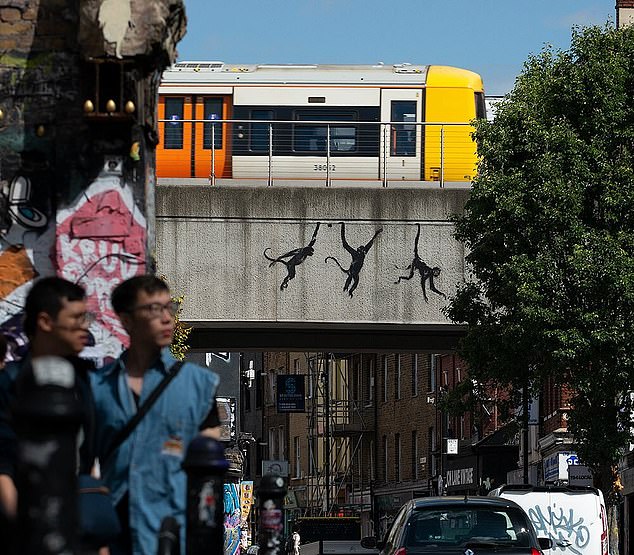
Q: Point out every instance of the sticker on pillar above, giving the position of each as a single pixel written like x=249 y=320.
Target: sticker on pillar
x=358 y=259
x=207 y=505
x=427 y=273
x=295 y=258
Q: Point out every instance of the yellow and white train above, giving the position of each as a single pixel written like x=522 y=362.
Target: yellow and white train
x=352 y=122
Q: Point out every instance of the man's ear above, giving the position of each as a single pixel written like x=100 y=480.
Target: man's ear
x=45 y=322
x=126 y=321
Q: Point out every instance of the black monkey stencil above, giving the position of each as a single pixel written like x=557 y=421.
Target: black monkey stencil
x=358 y=258
x=295 y=258
x=426 y=272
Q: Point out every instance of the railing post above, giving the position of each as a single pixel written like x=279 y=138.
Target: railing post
x=270 y=180
x=328 y=155
x=271 y=495
x=213 y=154
x=442 y=155
x=205 y=466
x=385 y=147
x=47 y=419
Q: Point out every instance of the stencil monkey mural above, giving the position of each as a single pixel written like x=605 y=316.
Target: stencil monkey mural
x=295 y=258
x=427 y=273
x=358 y=258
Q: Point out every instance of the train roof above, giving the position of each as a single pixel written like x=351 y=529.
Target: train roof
x=198 y=73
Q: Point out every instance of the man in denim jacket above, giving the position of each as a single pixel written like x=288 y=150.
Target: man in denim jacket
x=144 y=473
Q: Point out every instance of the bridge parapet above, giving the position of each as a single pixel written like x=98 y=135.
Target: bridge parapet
x=279 y=257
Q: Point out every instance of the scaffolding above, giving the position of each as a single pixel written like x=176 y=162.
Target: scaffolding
x=340 y=434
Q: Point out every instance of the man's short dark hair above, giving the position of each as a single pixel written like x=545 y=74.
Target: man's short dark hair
x=47 y=295
x=124 y=296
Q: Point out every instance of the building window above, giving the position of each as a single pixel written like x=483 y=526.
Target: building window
x=273 y=444
x=298 y=461
x=385 y=378
x=385 y=459
x=397 y=456
x=295 y=366
x=212 y=110
x=312 y=455
x=371 y=378
x=281 y=443
x=414 y=375
x=173 y=139
x=431 y=377
x=397 y=380
x=246 y=395
x=414 y=455
x=372 y=467
x=462 y=436
x=431 y=448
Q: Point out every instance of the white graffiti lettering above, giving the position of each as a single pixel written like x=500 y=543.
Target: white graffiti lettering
x=565 y=532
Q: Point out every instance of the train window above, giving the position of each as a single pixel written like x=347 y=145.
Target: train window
x=403 y=136
x=312 y=137
x=480 y=106
x=213 y=110
x=173 y=138
x=259 y=136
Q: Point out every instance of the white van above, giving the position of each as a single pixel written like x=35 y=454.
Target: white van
x=573 y=517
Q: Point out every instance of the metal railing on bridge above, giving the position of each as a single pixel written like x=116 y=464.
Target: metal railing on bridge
x=317 y=150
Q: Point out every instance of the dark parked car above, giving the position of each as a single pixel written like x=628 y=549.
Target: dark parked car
x=460 y=525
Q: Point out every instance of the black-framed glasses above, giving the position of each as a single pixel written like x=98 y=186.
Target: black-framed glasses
x=83 y=320
x=155 y=310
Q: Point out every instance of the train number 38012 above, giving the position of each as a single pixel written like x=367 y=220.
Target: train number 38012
x=323 y=167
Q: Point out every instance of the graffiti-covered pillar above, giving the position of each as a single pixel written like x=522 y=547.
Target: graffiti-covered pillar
x=78 y=91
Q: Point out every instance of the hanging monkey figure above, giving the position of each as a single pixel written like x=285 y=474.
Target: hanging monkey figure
x=358 y=258
x=426 y=272
x=295 y=258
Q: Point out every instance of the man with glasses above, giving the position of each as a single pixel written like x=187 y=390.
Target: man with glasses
x=56 y=322
x=144 y=473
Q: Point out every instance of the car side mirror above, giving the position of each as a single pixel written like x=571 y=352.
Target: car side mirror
x=369 y=542
x=545 y=543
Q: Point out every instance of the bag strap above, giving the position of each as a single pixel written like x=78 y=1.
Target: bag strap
x=124 y=432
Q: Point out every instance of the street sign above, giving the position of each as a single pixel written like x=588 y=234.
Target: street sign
x=452 y=447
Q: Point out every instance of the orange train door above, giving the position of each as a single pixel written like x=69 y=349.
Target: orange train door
x=173 y=153
x=212 y=108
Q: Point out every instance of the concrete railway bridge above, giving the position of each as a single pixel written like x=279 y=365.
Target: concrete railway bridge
x=265 y=268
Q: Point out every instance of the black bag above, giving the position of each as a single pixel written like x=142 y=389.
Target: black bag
x=98 y=520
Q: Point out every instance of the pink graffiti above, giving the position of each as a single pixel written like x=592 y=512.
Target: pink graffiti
x=100 y=243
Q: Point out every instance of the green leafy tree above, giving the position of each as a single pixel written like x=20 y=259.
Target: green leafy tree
x=549 y=228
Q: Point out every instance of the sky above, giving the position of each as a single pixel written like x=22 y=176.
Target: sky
x=491 y=37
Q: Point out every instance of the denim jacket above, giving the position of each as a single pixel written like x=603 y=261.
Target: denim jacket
x=147 y=465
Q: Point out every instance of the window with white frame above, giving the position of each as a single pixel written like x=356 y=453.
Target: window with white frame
x=414 y=375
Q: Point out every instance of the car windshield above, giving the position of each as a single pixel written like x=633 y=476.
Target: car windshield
x=467 y=525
